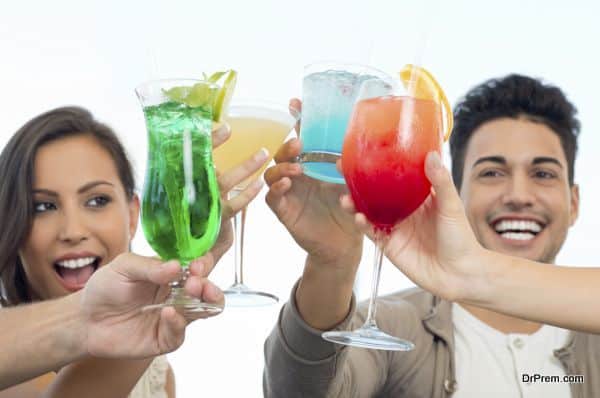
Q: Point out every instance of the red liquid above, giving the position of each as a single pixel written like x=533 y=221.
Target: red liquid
x=384 y=154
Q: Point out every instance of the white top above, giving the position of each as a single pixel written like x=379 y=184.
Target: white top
x=491 y=364
x=153 y=382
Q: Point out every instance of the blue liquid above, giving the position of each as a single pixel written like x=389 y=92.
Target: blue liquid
x=327 y=102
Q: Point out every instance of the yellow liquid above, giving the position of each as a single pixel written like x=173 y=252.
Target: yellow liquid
x=248 y=136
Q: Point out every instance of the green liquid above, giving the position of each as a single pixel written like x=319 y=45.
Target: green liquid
x=180 y=218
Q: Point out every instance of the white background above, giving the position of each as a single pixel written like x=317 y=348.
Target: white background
x=93 y=54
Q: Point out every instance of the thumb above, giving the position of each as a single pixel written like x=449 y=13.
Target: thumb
x=145 y=269
x=445 y=192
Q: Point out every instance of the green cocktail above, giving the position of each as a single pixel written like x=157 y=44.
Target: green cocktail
x=180 y=218
x=181 y=209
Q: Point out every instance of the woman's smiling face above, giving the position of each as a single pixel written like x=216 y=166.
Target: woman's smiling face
x=82 y=216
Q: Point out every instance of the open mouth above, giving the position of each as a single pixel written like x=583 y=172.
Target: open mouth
x=75 y=273
x=518 y=230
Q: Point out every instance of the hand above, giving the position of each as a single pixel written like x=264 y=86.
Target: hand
x=435 y=246
x=231 y=205
x=112 y=300
x=310 y=209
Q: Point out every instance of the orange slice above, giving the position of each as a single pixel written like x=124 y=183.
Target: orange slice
x=421 y=84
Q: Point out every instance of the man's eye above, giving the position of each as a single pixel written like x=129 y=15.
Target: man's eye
x=98 y=201
x=490 y=173
x=41 y=207
x=544 y=174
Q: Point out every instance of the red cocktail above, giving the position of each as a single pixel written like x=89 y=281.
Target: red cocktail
x=384 y=154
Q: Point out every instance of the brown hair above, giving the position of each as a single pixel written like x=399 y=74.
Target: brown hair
x=16 y=181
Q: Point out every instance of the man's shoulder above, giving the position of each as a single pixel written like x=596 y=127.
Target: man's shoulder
x=589 y=341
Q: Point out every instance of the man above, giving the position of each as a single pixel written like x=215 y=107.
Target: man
x=513 y=150
x=102 y=320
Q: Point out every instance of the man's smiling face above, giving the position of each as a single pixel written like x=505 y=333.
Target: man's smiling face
x=516 y=190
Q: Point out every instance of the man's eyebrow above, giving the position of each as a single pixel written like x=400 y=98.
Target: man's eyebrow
x=494 y=159
x=547 y=159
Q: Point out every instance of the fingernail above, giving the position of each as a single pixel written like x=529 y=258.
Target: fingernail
x=434 y=160
x=169 y=264
x=261 y=155
x=257 y=184
x=220 y=129
x=198 y=267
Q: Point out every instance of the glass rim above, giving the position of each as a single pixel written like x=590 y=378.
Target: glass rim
x=168 y=80
x=264 y=107
x=341 y=65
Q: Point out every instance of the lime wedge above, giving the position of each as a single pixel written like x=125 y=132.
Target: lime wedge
x=226 y=81
x=215 y=90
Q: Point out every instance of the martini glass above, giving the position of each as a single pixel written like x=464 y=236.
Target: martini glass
x=254 y=125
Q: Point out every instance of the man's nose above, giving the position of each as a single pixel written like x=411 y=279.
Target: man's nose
x=519 y=192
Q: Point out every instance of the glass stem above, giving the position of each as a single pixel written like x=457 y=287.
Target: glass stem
x=180 y=283
x=238 y=229
x=380 y=241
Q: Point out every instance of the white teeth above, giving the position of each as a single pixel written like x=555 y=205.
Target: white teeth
x=518 y=235
x=518 y=225
x=76 y=263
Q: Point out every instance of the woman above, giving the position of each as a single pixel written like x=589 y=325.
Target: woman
x=68 y=200
x=436 y=248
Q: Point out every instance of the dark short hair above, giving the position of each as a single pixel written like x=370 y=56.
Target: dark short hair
x=16 y=177
x=513 y=96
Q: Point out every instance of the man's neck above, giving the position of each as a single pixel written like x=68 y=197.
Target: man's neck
x=501 y=322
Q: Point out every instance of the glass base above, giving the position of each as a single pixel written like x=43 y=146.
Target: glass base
x=368 y=337
x=321 y=166
x=186 y=304
x=240 y=295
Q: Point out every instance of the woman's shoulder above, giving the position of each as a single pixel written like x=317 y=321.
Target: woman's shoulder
x=153 y=382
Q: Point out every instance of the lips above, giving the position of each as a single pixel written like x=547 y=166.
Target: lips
x=75 y=270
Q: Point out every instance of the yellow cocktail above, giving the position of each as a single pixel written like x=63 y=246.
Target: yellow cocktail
x=251 y=130
x=253 y=125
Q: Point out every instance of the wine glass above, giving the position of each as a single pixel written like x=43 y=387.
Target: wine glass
x=383 y=161
x=181 y=210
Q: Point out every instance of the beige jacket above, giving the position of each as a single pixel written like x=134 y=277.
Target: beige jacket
x=299 y=363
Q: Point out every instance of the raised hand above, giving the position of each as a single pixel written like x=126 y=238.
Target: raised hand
x=435 y=246
x=309 y=208
x=112 y=302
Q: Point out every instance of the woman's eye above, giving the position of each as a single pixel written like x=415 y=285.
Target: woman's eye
x=40 y=207
x=98 y=201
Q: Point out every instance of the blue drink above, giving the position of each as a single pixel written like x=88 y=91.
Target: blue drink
x=328 y=95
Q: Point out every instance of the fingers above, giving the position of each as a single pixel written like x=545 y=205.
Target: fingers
x=295 y=110
x=238 y=202
x=282 y=170
x=347 y=204
x=288 y=151
x=204 y=290
x=445 y=192
x=146 y=269
x=220 y=134
x=338 y=166
x=202 y=266
x=276 y=199
x=171 y=329
x=237 y=175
